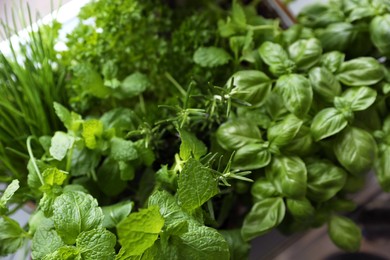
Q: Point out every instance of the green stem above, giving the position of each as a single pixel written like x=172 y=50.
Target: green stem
x=32 y=158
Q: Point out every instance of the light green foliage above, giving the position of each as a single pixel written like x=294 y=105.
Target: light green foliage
x=133 y=85
x=45 y=241
x=114 y=214
x=191 y=146
x=7 y=195
x=211 y=57
x=123 y=150
x=360 y=71
x=328 y=122
x=92 y=131
x=12 y=236
x=60 y=144
x=96 y=244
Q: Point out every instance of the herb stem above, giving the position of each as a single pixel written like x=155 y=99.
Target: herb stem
x=32 y=158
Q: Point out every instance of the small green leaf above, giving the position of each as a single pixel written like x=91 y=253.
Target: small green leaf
x=356 y=150
x=92 y=131
x=133 y=85
x=139 y=231
x=276 y=57
x=191 y=146
x=196 y=185
x=327 y=122
x=324 y=180
x=332 y=60
x=380 y=33
x=75 y=212
x=237 y=133
x=64 y=253
x=262 y=189
x=114 y=214
x=324 y=83
x=344 y=233
x=296 y=92
x=305 y=53
x=210 y=57
x=251 y=157
x=12 y=236
x=300 y=209
x=52 y=176
x=238 y=14
x=263 y=217
x=360 y=71
x=289 y=176
x=251 y=86
x=127 y=171
x=337 y=36
x=96 y=244
x=284 y=131
x=123 y=150
x=45 y=241
x=7 y=195
x=60 y=144
x=302 y=144
x=91 y=80
x=360 y=98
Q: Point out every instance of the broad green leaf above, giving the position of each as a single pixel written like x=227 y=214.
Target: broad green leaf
x=64 y=253
x=251 y=157
x=302 y=144
x=92 y=131
x=355 y=149
x=234 y=134
x=337 y=36
x=52 y=176
x=276 y=57
x=360 y=98
x=252 y=86
x=91 y=80
x=324 y=83
x=139 y=231
x=360 y=71
x=71 y=120
x=7 y=195
x=318 y=15
x=196 y=185
x=191 y=146
x=380 y=33
x=210 y=57
x=275 y=106
x=133 y=85
x=296 y=92
x=201 y=243
x=47 y=201
x=288 y=175
x=263 y=217
x=75 y=212
x=238 y=248
x=382 y=167
x=324 y=180
x=344 y=233
x=12 y=236
x=305 y=53
x=60 y=144
x=120 y=119
x=332 y=60
x=327 y=122
x=284 y=131
x=262 y=189
x=84 y=161
x=109 y=178
x=123 y=150
x=114 y=214
x=361 y=12
x=300 y=209
x=96 y=244
x=45 y=241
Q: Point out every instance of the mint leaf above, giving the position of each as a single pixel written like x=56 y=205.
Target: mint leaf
x=196 y=185
x=191 y=146
x=60 y=144
x=96 y=244
x=75 y=212
x=134 y=85
x=211 y=57
x=52 y=176
x=7 y=195
x=116 y=213
x=92 y=130
x=123 y=150
x=45 y=241
x=139 y=231
x=12 y=236
x=64 y=253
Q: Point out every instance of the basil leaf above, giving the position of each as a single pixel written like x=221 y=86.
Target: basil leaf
x=344 y=233
x=382 y=167
x=12 y=236
x=75 y=212
x=284 y=131
x=355 y=149
x=324 y=180
x=114 y=214
x=252 y=86
x=324 y=83
x=380 y=33
x=360 y=98
x=238 y=248
x=360 y=71
x=210 y=57
x=263 y=217
x=302 y=144
x=337 y=36
x=288 y=175
x=300 y=209
x=327 y=122
x=262 y=189
x=196 y=185
x=123 y=150
x=139 y=231
x=296 y=92
x=332 y=60
x=234 y=134
x=319 y=15
x=45 y=241
x=276 y=57
x=96 y=244
x=251 y=156
x=191 y=146
x=305 y=53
